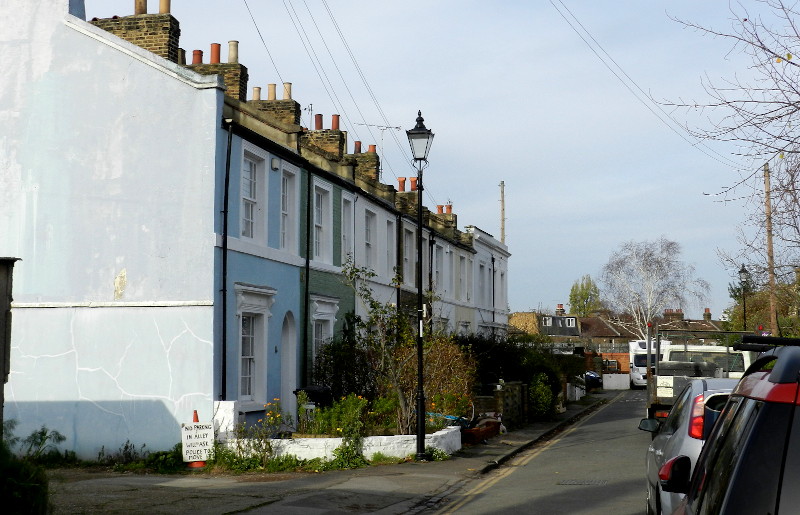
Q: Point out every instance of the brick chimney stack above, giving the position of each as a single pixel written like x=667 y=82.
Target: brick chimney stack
x=234 y=74
x=285 y=111
x=333 y=140
x=157 y=33
x=707 y=315
x=560 y=310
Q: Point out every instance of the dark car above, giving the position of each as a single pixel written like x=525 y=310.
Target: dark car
x=683 y=432
x=592 y=380
x=751 y=460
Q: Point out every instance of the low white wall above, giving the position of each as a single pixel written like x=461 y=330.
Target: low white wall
x=616 y=382
x=400 y=446
x=575 y=392
x=226 y=417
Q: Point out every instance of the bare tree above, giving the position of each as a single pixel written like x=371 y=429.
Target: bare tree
x=644 y=277
x=761 y=114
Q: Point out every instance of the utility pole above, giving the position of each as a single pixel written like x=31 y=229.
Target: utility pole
x=502 y=212
x=773 y=310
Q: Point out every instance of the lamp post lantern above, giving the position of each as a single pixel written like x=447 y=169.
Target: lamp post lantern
x=420 y=139
x=744 y=282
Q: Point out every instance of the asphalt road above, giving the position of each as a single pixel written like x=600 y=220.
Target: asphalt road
x=594 y=467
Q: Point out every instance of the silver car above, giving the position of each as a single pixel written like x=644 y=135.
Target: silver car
x=683 y=432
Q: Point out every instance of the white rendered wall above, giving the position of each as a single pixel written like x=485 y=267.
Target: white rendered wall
x=107 y=176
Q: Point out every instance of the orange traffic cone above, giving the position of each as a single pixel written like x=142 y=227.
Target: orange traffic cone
x=196 y=465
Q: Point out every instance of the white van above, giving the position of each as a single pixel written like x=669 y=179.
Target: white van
x=638 y=358
x=729 y=362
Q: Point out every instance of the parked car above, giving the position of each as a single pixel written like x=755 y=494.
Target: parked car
x=592 y=380
x=683 y=432
x=751 y=460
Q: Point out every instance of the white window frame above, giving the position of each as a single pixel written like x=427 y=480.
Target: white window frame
x=348 y=212
x=438 y=258
x=547 y=321
x=482 y=289
x=391 y=245
x=462 y=273
x=370 y=239
x=323 y=318
x=571 y=322
x=253 y=302
x=289 y=209
x=409 y=277
x=249 y=336
x=322 y=212
x=252 y=219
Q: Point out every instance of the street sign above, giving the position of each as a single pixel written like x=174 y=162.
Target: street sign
x=198 y=441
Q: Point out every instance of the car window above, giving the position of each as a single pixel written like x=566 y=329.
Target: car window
x=673 y=421
x=743 y=452
x=708 y=486
x=640 y=360
x=790 y=493
x=727 y=361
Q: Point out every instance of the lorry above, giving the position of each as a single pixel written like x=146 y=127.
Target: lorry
x=637 y=350
x=678 y=364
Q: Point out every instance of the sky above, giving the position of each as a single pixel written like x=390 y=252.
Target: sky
x=515 y=91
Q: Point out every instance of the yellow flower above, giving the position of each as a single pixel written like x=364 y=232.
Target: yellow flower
x=275 y=399
x=260 y=420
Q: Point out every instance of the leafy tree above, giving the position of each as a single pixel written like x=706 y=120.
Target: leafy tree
x=390 y=343
x=643 y=277
x=584 y=297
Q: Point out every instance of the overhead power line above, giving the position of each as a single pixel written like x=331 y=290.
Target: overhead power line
x=664 y=117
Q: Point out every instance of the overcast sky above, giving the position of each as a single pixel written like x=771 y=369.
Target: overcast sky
x=513 y=94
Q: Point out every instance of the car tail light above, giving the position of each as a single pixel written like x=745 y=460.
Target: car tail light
x=696 y=422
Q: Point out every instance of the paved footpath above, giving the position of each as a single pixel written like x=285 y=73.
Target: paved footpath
x=388 y=489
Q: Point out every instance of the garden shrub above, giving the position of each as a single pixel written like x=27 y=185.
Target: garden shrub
x=23 y=485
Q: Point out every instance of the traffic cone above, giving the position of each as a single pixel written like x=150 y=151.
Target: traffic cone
x=196 y=465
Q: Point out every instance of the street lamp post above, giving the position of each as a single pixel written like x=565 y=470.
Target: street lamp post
x=420 y=139
x=744 y=281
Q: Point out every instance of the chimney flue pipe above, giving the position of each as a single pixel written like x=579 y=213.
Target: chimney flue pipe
x=233 y=51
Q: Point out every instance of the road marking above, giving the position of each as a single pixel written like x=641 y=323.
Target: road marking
x=522 y=461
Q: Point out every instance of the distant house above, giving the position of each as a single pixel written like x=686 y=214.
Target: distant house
x=556 y=325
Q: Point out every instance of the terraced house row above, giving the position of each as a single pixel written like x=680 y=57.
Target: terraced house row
x=176 y=245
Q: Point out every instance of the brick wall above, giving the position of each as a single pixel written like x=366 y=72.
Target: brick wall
x=158 y=33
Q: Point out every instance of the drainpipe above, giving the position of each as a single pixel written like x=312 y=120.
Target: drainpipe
x=431 y=244
x=398 y=261
x=493 y=298
x=307 y=293
x=223 y=393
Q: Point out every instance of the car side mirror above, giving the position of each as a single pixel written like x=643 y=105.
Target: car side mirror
x=675 y=475
x=650 y=425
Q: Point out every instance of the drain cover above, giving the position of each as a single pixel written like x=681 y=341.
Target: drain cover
x=584 y=482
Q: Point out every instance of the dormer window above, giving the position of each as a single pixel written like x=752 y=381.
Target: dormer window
x=547 y=321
